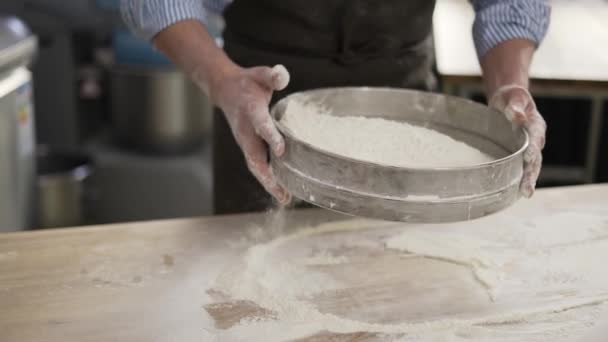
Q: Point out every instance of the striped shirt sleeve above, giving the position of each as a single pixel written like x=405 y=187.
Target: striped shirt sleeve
x=145 y=18
x=499 y=20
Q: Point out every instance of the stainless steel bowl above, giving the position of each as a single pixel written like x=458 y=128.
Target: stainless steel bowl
x=159 y=111
x=406 y=194
x=62 y=178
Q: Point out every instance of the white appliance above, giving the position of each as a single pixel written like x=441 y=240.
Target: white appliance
x=17 y=146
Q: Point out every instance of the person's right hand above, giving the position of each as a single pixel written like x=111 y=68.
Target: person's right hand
x=517 y=104
x=244 y=95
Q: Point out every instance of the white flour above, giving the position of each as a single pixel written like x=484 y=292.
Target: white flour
x=479 y=255
x=378 y=140
x=547 y=288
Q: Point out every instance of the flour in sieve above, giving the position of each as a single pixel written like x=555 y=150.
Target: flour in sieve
x=378 y=140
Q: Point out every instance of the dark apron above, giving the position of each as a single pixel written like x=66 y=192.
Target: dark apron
x=323 y=43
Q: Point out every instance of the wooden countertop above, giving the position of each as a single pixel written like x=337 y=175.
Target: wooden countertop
x=575 y=47
x=145 y=281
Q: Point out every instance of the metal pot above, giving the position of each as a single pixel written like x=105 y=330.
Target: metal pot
x=17 y=171
x=158 y=110
x=61 y=188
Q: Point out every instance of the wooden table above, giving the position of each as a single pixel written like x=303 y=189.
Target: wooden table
x=571 y=62
x=150 y=281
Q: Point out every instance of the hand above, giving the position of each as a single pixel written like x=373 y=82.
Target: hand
x=519 y=107
x=244 y=96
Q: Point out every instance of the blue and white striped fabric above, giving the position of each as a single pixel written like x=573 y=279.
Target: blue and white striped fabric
x=498 y=21
x=495 y=20
x=148 y=17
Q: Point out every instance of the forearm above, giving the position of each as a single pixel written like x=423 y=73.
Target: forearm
x=505 y=70
x=508 y=63
x=506 y=33
x=189 y=45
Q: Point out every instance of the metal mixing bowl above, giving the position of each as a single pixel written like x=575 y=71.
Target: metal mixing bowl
x=405 y=194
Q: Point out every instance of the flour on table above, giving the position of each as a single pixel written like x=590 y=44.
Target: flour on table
x=378 y=140
x=483 y=257
x=324 y=258
x=541 y=289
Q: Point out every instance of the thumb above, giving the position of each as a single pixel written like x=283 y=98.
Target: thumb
x=515 y=102
x=275 y=78
x=516 y=110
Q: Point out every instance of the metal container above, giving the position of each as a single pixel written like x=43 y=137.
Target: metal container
x=61 y=188
x=406 y=194
x=158 y=110
x=17 y=170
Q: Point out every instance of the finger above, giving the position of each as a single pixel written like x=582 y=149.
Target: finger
x=264 y=174
x=532 y=154
x=535 y=147
x=280 y=77
x=537 y=130
x=275 y=78
x=530 y=176
x=255 y=156
x=516 y=110
x=533 y=161
x=286 y=196
x=515 y=115
x=266 y=129
x=515 y=102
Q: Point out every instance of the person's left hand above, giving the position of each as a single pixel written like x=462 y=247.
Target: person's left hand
x=519 y=107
